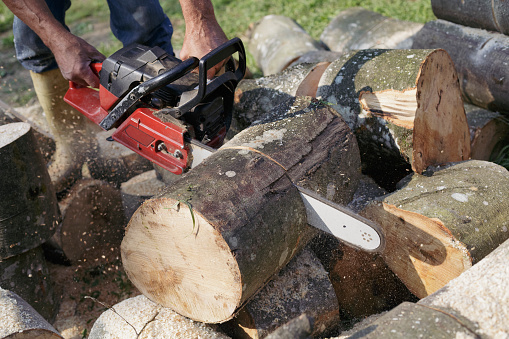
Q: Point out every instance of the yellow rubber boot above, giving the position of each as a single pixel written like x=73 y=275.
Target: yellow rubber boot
x=73 y=137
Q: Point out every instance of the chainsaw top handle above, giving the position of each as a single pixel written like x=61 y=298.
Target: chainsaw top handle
x=96 y=68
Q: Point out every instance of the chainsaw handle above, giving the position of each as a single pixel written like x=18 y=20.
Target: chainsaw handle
x=96 y=68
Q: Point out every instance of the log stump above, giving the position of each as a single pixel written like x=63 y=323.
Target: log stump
x=216 y=236
x=404 y=107
x=439 y=224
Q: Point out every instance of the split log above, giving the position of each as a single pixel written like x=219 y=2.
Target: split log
x=19 y=320
x=438 y=225
x=28 y=203
x=489 y=132
x=27 y=275
x=93 y=219
x=240 y=210
x=140 y=318
x=492 y=15
x=138 y=189
x=276 y=41
x=358 y=28
x=474 y=305
x=302 y=287
x=404 y=107
x=480 y=57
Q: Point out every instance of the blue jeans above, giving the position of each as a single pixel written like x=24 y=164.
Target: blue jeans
x=140 y=21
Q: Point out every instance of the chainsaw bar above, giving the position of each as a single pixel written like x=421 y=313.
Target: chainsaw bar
x=327 y=216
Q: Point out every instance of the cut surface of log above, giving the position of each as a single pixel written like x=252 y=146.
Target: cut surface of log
x=358 y=28
x=276 y=41
x=480 y=58
x=19 y=320
x=28 y=203
x=438 y=225
x=492 y=15
x=217 y=235
x=404 y=107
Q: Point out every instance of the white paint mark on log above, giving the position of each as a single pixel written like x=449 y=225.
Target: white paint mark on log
x=460 y=197
x=230 y=174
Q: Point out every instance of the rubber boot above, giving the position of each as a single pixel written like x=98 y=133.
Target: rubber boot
x=73 y=136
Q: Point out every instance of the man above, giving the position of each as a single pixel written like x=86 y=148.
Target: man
x=54 y=56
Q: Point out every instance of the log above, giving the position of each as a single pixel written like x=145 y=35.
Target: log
x=240 y=210
x=404 y=107
x=489 y=132
x=438 y=225
x=491 y=15
x=138 y=189
x=473 y=305
x=480 y=58
x=93 y=218
x=139 y=317
x=19 y=320
x=302 y=287
x=276 y=41
x=28 y=203
x=28 y=276
x=358 y=28
x=298 y=328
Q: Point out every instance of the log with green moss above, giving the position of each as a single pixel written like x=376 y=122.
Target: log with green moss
x=439 y=224
x=404 y=107
x=217 y=235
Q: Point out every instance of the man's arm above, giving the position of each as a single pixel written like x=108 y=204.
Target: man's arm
x=203 y=32
x=73 y=54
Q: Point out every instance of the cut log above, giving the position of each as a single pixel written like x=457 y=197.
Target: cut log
x=28 y=276
x=480 y=57
x=276 y=41
x=438 y=225
x=19 y=320
x=489 y=132
x=474 y=305
x=28 y=203
x=358 y=28
x=240 y=210
x=492 y=15
x=138 y=189
x=93 y=218
x=302 y=287
x=404 y=107
x=139 y=317
x=298 y=328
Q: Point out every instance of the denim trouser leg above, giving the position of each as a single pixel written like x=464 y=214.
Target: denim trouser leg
x=141 y=21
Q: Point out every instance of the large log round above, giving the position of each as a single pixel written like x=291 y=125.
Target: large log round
x=217 y=235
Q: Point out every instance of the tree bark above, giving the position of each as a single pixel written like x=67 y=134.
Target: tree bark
x=358 y=28
x=480 y=57
x=19 y=320
x=404 y=107
x=28 y=203
x=276 y=41
x=438 y=225
x=492 y=15
x=302 y=287
x=240 y=210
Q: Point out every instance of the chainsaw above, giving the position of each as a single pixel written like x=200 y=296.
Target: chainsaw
x=176 y=118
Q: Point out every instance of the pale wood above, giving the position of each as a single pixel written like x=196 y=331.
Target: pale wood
x=303 y=286
x=28 y=203
x=358 y=28
x=492 y=15
x=276 y=41
x=138 y=189
x=404 y=106
x=149 y=320
x=480 y=58
x=19 y=320
x=436 y=226
x=249 y=220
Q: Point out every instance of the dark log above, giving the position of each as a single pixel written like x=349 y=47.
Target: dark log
x=218 y=234
x=480 y=57
x=358 y=28
x=19 y=320
x=492 y=15
x=28 y=203
x=298 y=328
x=404 y=107
x=138 y=189
x=438 y=225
